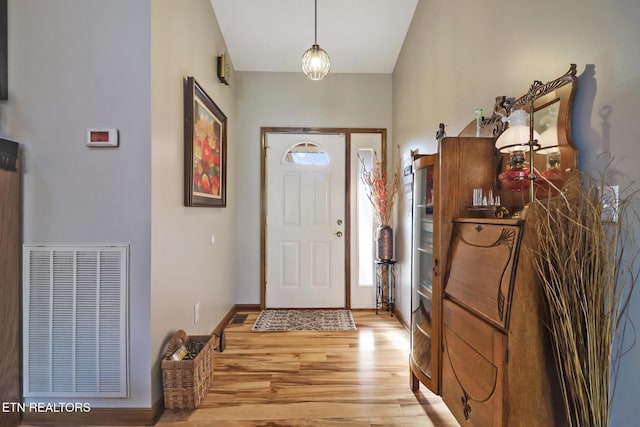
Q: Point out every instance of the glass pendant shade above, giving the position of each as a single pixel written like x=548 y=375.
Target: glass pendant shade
x=316 y=63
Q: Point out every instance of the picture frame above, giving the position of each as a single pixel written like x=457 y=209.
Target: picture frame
x=205 y=148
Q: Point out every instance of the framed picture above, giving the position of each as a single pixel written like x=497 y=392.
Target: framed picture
x=205 y=149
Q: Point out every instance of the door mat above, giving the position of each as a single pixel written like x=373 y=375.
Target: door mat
x=304 y=320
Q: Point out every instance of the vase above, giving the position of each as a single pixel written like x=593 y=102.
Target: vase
x=384 y=240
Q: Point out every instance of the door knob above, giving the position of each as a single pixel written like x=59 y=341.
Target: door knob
x=339 y=234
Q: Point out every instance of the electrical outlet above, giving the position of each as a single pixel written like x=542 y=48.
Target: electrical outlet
x=196 y=312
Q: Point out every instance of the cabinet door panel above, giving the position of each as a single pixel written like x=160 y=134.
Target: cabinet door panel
x=422 y=328
x=473 y=367
x=426 y=294
x=481 y=271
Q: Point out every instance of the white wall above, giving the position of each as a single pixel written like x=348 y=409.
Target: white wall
x=290 y=99
x=76 y=64
x=459 y=56
x=186 y=267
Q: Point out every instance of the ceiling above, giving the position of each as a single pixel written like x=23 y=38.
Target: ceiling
x=360 y=36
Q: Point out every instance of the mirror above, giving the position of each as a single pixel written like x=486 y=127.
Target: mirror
x=553 y=102
x=546 y=119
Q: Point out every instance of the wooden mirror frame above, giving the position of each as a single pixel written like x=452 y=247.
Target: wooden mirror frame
x=562 y=90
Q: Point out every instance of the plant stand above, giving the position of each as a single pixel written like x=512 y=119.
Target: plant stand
x=385 y=285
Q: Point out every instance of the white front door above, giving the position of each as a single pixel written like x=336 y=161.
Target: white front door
x=305 y=242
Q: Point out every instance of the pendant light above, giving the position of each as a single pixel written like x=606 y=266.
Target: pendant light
x=315 y=61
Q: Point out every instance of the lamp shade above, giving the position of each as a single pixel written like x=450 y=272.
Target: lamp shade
x=517 y=135
x=316 y=63
x=548 y=141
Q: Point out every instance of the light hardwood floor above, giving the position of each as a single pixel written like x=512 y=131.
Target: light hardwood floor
x=351 y=378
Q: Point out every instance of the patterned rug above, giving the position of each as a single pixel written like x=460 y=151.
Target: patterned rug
x=304 y=320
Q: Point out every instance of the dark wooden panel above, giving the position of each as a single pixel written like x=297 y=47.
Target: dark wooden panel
x=10 y=350
x=4 y=52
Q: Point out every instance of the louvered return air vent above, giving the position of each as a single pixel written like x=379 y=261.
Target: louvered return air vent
x=75 y=321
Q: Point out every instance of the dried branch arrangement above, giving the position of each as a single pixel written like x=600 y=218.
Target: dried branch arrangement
x=380 y=188
x=585 y=265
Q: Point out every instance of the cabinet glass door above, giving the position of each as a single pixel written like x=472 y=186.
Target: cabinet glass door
x=422 y=328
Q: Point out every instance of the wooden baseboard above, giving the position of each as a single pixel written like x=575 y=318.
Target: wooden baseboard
x=247 y=307
x=224 y=322
x=401 y=318
x=232 y=312
x=98 y=417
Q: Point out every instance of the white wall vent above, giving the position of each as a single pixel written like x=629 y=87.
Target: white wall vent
x=75 y=305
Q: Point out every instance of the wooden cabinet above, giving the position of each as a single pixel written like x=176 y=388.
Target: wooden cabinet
x=443 y=189
x=497 y=369
x=10 y=233
x=478 y=333
x=477 y=325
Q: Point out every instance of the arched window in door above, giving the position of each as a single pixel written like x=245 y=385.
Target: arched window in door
x=306 y=153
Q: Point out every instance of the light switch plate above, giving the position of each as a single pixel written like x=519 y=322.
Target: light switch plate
x=610 y=203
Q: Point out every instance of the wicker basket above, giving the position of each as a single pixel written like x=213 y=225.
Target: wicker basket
x=186 y=381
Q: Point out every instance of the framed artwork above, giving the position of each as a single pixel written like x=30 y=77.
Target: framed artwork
x=205 y=149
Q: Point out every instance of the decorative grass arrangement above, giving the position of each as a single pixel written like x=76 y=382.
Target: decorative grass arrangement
x=584 y=261
x=381 y=189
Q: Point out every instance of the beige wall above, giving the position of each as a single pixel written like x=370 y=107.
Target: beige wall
x=460 y=55
x=186 y=267
x=290 y=99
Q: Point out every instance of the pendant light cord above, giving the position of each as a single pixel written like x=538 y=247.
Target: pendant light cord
x=315 y=60
x=315 y=35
